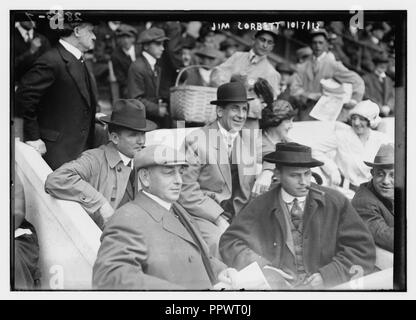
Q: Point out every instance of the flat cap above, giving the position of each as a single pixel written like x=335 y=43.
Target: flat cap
x=152 y=34
x=126 y=30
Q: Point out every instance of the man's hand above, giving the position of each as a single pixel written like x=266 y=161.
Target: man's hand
x=38 y=145
x=106 y=211
x=314 y=96
x=385 y=110
x=222 y=223
x=350 y=104
x=315 y=281
x=35 y=44
x=262 y=183
x=163 y=109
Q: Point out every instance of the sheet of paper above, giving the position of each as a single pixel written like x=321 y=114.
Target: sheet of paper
x=249 y=278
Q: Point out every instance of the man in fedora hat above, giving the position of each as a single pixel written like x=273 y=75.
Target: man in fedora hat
x=247 y=67
x=222 y=166
x=101 y=179
x=306 y=86
x=374 y=200
x=379 y=87
x=144 y=76
x=151 y=243
x=302 y=235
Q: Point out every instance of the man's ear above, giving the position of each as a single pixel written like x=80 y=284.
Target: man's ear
x=277 y=173
x=113 y=137
x=143 y=174
x=372 y=171
x=220 y=111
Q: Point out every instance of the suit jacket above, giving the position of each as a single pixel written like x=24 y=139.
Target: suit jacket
x=207 y=180
x=23 y=58
x=145 y=247
x=381 y=93
x=334 y=237
x=378 y=214
x=58 y=106
x=98 y=176
x=121 y=64
x=144 y=85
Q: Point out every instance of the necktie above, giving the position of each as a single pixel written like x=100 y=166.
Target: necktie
x=132 y=176
x=86 y=73
x=253 y=59
x=296 y=214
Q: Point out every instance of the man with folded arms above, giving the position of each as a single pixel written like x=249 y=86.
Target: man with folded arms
x=151 y=243
x=302 y=235
x=102 y=179
x=374 y=200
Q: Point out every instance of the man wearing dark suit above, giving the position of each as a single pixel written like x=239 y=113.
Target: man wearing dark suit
x=151 y=243
x=124 y=54
x=301 y=236
x=57 y=98
x=143 y=80
x=27 y=47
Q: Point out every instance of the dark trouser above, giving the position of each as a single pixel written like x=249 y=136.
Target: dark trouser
x=26 y=258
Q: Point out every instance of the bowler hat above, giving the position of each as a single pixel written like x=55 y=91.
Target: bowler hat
x=384 y=156
x=152 y=34
x=126 y=30
x=159 y=155
x=292 y=154
x=130 y=114
x=381 y=58
x=285 y=68
x=231 y=92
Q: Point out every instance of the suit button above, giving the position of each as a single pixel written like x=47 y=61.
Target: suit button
x=118 y=169
x=83 y=198
x=190 y=259
x=274 y=244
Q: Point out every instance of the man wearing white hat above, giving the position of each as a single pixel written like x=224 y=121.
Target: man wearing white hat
x=151 y=243
x=374 y=200
x=352 y=144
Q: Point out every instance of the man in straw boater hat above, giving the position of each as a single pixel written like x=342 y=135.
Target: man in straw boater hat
x=151 y=243
x=217 y=183
x=374 y=200
x=102 y=179
x=302 y=235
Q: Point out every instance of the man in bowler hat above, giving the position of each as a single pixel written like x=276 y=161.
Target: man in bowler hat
x=222 y=166
x=102 y=179
x=302 y=235
x=374 y=200
x=144 y=76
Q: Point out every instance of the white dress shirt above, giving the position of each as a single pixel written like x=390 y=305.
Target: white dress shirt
x=163 y=203
x=288 y=199
x=228 y=137
x=126 y=160
x=150 y=59
x=69 y=47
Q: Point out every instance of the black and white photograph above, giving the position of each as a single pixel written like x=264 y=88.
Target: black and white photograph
x=208 y=151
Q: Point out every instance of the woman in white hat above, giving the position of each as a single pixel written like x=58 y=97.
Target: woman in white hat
x=344 y=152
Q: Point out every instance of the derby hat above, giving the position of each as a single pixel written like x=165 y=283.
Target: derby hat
x=130 y=114
x=384 y=157
x=231 y=92
x=292 y=154
x=152 y=34
x=285 y=68
x=159 y=155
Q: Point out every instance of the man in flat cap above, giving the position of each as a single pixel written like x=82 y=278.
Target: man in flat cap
x=306 y=86
x=57 y=98
x=222 y=167
x=102 y=179
x=374 y=200
x=124 y=54
x=151 y=243
x=144 y=76
x=302 y=235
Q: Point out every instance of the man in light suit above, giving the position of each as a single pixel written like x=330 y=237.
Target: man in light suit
x=151 y=243
x=306 y=86
x=57 y=98
x=223 y=166
x=102 y=179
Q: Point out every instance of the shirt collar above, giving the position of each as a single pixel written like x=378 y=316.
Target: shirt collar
x=23 y=31
x=380 y=74
x=131 y=52
x=288 y=198
x=69 y=47
x=163 y=203
x=126 y=160
x=226 y=133
x=323 y=54
x=256 y=58
x=150 y=59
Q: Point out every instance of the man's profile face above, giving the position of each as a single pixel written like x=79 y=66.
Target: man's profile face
x=232 y=116
x=383 y=182
x=155 y=49
x=295 y=180
x=86 y=37
x=165 y=182
x=263 y=44
x=319 y=45
x=128 y=142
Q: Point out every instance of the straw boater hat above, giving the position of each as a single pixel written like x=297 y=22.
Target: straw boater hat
x=159 y=155
x=292 y=154
x=384 y=157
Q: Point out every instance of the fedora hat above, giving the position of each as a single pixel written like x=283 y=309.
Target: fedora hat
x=384 y=157
x=159 y=155
x=292 y=154
x=231 y=92
x=152 y=34
x=130 y=114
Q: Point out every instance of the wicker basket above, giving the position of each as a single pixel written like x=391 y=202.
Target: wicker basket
x=192 y=103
